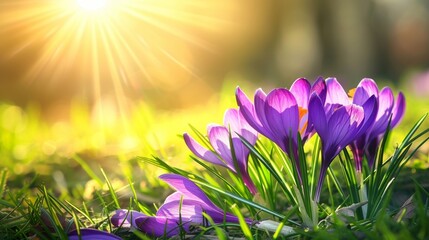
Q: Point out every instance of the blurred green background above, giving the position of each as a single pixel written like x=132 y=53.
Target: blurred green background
x=101 y=86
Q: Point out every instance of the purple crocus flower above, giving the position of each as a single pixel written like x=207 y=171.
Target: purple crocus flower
x=338 y=122
x=281 y=115
x=91 y=234
x=193 y=197
x=224 y=155
x=368 y=143
x=157 y=226
x=180 y=210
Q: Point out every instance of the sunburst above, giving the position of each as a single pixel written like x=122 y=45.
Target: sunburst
x=109 y=45
x=92 y=5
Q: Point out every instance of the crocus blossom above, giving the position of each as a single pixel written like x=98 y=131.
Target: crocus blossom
x=281 y=115
x=224 y=154
x=152 y=225
x=91 y=234
x=190 y=192
x=338 y=122
x=180 y=211
x=367 y=144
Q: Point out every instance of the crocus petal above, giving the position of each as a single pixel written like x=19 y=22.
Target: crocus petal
x=370 y=108
x=238 y=124
x=232 y=120
x=358 y=150
x=336 y=93
x=282 y=114
x=254 y=114
x=91 y=234
x=248 y=111
x=385 y=106
x=366 y=88
x=219 y=139
x=160 y=226
x=398 y=109
x=241 y=153
x=247 y=180
x=125 y=217
x=191 y=210
x=317 y=116
x=343 y=126
x=176 y=196
x=177 y=206
x=319 y=88
x=193 y=194
x=202 y=152
x=301 y=91
x=188 y=188
x=260 y=99
x=248 y=133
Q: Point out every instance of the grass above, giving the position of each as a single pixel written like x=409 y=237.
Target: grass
x=55 y=178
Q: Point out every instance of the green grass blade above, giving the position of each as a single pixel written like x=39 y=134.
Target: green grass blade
x=244 y=227
x=88 y=170
x=51 y=215
x=216 y=173
x=315 y=160
x=139 y=205
x=267 y=163
x=111 y=190
x=245 y=201
x=83 y=213
x=220 y=233
x=3 y=180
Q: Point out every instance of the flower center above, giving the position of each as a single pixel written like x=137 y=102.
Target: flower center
x=351 y=92
x=303 y=120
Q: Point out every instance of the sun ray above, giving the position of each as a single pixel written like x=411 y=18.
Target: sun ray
x=114 y=46
x=179 y=63
x=92 y=5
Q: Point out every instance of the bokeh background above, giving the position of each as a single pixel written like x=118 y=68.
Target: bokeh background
x=184 y=50
x=125 y=80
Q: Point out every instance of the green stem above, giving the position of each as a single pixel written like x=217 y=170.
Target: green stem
x=363 y=197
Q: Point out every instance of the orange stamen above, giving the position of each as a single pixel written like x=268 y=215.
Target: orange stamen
x=303 y=122
x=352 y=92
x=302 y=112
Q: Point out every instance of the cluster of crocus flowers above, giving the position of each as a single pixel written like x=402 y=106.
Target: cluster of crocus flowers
x=283 y=115
x=288 y=117
x=181 y=210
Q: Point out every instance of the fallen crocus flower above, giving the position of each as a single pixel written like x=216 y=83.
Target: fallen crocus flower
x=180 y=211
x=157 y=226
x=91 y=234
